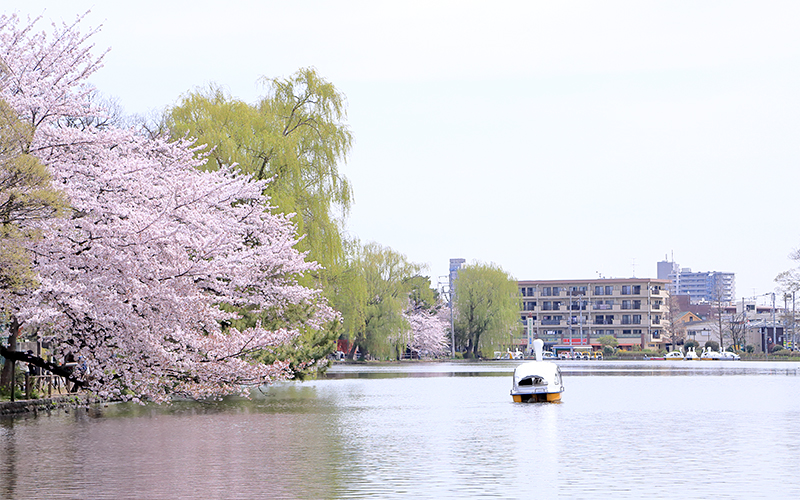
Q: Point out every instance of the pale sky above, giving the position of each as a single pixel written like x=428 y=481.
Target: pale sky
x=557 y=139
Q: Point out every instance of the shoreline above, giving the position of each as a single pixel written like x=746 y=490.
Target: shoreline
x=34 y=406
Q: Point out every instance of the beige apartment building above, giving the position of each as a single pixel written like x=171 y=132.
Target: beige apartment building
x=569 y=313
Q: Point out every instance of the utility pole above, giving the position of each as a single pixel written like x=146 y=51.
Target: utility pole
x=449 y=295
x=773 y=319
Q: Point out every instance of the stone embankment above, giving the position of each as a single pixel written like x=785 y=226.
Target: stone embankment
x=37 y=405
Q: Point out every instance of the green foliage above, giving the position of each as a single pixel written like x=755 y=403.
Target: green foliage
x=26 y=196
x=377 y=286
x=749 y=349
x=691 y=343
x=776 y=348
x=296 y=136
x=713 y=344
x=486 y=308
x=306 y=353
x=608 y=350
x=608 y=341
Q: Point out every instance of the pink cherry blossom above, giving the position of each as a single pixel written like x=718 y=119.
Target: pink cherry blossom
x=139 y=281
x=427 y=333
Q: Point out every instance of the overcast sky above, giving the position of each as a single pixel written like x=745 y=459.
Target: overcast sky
x=559 y=140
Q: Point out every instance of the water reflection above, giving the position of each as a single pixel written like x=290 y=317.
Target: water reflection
x=449 y=430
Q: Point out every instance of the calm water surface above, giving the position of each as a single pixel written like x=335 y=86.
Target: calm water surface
x=433 y=430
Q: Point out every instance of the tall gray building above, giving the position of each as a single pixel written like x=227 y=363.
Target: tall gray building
x=455 y=265
x=706 y=286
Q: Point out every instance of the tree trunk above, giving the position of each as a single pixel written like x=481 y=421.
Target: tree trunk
x=352 y=354
x=60 y=370
x=7 y=378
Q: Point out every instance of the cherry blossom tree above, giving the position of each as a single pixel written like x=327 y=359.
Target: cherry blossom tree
x=141 y=283
x=427 y=334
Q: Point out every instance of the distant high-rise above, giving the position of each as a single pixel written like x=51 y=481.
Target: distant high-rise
x=455 y=265
x=666 y=268
x=706 y=286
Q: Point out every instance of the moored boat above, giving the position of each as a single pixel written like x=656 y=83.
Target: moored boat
x=708 y=354
x=730 y=356
x=536 y=381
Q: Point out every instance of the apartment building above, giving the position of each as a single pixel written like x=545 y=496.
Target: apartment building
x=701 y=287
x=569 y=313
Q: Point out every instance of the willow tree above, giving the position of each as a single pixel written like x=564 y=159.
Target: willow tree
x=380 y=284
x=296 y=136
x=486 y=308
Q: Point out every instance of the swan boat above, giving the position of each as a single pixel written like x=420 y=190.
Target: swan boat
x=538 y=380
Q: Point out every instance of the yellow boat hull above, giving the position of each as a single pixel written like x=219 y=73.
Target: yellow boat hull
x=542 y=397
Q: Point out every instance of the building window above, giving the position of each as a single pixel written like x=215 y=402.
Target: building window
x=656 y=334
x=631 y=289
x=606 y=305
x=527 y=291
x=530 y=305
x=656 y=319
x=547 y=291
x=626 y=319
x=636 y=319
x=578 y=305
x=656 y=304
x=551 y=320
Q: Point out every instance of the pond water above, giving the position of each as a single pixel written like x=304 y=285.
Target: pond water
x=433 y=430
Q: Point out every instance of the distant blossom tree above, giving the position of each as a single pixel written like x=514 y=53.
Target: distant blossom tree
x=139 y=282
x=427 y=334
